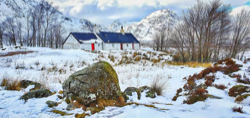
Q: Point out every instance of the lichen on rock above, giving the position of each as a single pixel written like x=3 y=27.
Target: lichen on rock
x=98 y=81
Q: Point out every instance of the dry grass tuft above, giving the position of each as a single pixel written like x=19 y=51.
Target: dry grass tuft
x=11 y=84
x=191 y=64
x=158 y=85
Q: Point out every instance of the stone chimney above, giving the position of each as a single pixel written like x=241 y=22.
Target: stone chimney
x=122 y=31
x=95 y=29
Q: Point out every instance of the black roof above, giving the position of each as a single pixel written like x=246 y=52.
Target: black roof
x=107 y=37
x=83 y=36
x=113 y=37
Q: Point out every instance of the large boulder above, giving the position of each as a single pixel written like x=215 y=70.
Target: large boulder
x=98 y=81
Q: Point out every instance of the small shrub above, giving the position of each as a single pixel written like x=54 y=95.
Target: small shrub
x=245 y=80
x=138 y=58
x=37 y=63
x=155 y=60
x=199 y=95
x=228 y=62
x=177 y=94
x=222 y=87
x=174 y=98
x=237 y=90
x=19 y=65
x=241 y=97
x=208 y=83
x=62 y=71
x=112 y=58
x=135 y=54
x=158 y=85
x=237 y=109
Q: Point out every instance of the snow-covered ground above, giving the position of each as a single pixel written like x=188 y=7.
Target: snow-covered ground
x=52 y=66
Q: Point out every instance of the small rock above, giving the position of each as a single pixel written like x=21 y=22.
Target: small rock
x=51 y=103
x=130 y=90
x=40 y=93
x=26 y=83
x=70 y=106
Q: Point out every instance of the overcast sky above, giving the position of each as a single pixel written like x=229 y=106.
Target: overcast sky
x=106 y=11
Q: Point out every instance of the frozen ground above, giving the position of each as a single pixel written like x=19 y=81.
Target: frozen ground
x=51 y=67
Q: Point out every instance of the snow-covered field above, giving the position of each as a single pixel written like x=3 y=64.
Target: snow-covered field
x=51 y=67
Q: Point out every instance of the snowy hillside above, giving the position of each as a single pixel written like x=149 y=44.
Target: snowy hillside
x=52 y=67
x=145 y=29
x=20 y=8
x=116 y=25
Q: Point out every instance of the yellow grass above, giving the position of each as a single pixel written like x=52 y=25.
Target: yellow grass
x=11 y=84
x=191 y=64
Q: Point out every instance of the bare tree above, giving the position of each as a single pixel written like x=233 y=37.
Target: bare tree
x=28 y=23
x=59 y=31
x=34 y=27
x=240 y=33
x=207 y=21
x=1 y=35
x=19 y=32
x=50 y=15
x=157 y=40
x=11 y=30
x=163 y=36
x=180 y=41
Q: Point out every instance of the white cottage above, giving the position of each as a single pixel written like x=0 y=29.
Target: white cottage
x=99 y=40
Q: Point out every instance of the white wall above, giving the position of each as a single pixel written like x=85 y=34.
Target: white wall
x=71 y=43
x=88 y=46
x=112 y=46
x=127 y=46
x=136 y=46
x=117 y=46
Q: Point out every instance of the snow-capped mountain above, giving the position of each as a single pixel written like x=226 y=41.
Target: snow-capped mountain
x=116 y=25
x=20 y=8
x=146 y=28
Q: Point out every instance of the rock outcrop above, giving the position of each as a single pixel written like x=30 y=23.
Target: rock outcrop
x=40 y=93
x=98 y=81
x=149 y=92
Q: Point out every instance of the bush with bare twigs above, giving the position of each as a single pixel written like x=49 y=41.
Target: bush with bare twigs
x=158 y=85
x=237 y=109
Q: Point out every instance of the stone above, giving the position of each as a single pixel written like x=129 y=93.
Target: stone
x=98 y=81
x=150 y=93
x=70 y=106
x=51 y=103
x=40 y=93
x=128 y=91
x=26 y=83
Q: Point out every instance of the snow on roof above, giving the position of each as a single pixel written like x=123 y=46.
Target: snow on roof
x=83 y=36
x=113 y=37
x=107 y=37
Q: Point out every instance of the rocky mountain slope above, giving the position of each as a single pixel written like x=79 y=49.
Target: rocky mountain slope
x=116 y=25
x=146 y=28
x=20 y=8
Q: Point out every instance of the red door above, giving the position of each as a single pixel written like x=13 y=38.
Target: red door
x=121 y=47
x=93 y=46
x=133 y=46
